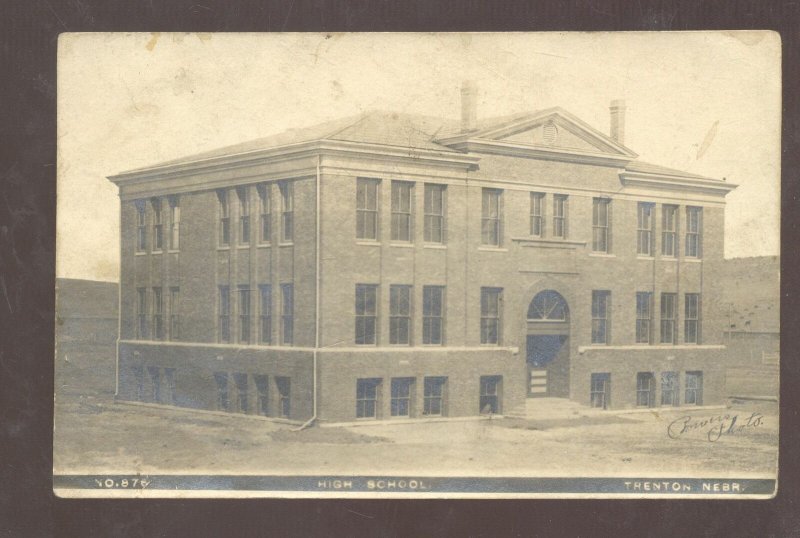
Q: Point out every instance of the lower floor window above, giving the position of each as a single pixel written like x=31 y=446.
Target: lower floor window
x=284 y=386
x=262 y=389
x=241 y=392
x=169 y=377
x=367 y=398
x=155 y=377
x=138 y=376
x=694 y=388
x=223 y=401
x=401 y=396
x=434 y=396
x=600 y=390
x=645 y=389
x=490 y=394
x=669 y=388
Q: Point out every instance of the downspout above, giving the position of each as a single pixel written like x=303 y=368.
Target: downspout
x=119 y=307
x=313 y=418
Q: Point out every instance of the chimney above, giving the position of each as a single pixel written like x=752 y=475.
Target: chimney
x=618 y=120
x=469 y=105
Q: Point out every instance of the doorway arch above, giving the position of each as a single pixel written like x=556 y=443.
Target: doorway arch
x=547 y=349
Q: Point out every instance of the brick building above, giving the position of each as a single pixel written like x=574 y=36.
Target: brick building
x=394 y=266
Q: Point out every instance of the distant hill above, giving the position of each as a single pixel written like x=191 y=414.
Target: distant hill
x=752 y=286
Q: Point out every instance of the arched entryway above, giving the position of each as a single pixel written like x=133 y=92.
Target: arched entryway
x=547 y=348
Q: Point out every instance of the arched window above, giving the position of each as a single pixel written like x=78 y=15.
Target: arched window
x=548 y=305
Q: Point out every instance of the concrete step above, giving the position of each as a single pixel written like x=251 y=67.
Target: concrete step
x=552 y=408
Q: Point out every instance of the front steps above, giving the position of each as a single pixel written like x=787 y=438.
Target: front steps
x=552 y=408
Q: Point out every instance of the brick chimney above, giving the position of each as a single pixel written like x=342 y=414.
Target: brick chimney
x=618 y=120
x=469 y=105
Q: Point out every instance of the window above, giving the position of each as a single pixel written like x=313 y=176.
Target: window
x=644 y=229
x=265 y=314
x=600 y=308
x=645 y=389
x=223 y=401
x=141 y=313
x=434 y=396
x=158 y=226
x=367 y=398
x=171 y=393
x=433 y=315
x=560 y=216
x=240 y=380
x=287 y=314
x=138 y=376
x=366 y=314
x=284 y=386
x=400 y=315
x=668 y=318
x=491 y=299
x=669 y=231
x=401 y=210
x=244 y=215
x=158 y=314
x=644 y=314
x=224 y=219
x=694 y=232
x=434 y=213
x=262 y=389
x=265 y=213
x=547 y=305
x=669 y=388
x=367 y=209
x=491 y=217
x=287 y=211
x=601 y=221
x=490 y=394
x=694 y=388
x=537 y=215
x=175 y=223
x=224 y=325
x=244 y=314
x=600 y=390
x=691 y=323
x=401 y=396
x=155 y=383
x=174 y=313
x=141 y=226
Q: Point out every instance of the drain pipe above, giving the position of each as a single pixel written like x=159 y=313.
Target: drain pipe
x=313 y=418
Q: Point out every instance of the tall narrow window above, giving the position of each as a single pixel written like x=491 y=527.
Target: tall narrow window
x=537 y=214
x=491 y=299
x=434 y=396
x=433 y=315
x=244 y=314
x=174 y=313
x=644 y=228
x=158 y=314
x=644 y=315
x=224 y=308
x=434 y=213
x=141 y=226
x=669 y=230
x=694 y=388
x=158 y=226
x=668 y=301
x=600 y=390
x=287 y=211
x=262 y=389
x=265 y=314
x=367 y=398
x=645 y=389
x=600 y=310
x=490 y=394
x=224 y=232
x=170 y=398
x=244 y=215
x=560 y=216
x=367 y=209
x=240 y=380
x=401 y=396
x=155 y=379
x=694 y=232
x=691 y=323
x=223 y=400
x=287 y=314
x=669 y=388
x=174 y=223
x=265 y=213
x=400 y=315
x=141 y=313
x=366 y=314
x=284 y=386
x=601 y=221
x=491 y=217
x=402 y=193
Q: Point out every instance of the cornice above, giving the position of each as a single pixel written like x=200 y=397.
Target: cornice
x=675 y=182
x=499 y=147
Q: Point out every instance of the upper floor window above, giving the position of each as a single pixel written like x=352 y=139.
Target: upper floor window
x=158 y=314
x=367 y=209
x=175 y=223
x=244 y=314
x=141 y=226
x=366 y=314
x=400 y=315
x=244 y=215
x=691 y=319
x=491 y=303
x=491 y=217
x=669 y=230
x=265 y=313
x=287 y=314
x=434 y=213
x=668 y=307
x=287 y=211
x=141 y=313
x=601 y=224
x=644 y=315
x=601 y=300
x=644 y=228
x=402 y=194
x=158 y=225
x=433 y=315
x=537 y=214
x=694 y=231
x=224 y=237
x=560 y=216
x=224 y=314
x=265 y=213
x=174 y=313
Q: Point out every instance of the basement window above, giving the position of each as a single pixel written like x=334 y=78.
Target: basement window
x=401 y=396
x=694 y=388
x=223 y=401
x=490 y=394
x=240 y=380
x=434 y=396
x=367 y=397
x=284 y=386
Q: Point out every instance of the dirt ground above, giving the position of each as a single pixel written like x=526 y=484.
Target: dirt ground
x=93 y=435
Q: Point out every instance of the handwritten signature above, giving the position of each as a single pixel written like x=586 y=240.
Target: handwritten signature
x=714 y=427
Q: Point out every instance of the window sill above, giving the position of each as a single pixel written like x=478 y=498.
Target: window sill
x=435 y=246
x=487 y=248
x=645 y=257
x=693 y=260
x=668 y=258
x=223 y=248
x=140 y=253
x=402 y=245
x=242 y=247
x=601 y=255
x=173 y=251
x=157 y=252
x=286 y=244
x=368 y=243
x=264 y=245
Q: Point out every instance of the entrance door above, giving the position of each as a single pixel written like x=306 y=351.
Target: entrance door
x=541 y=350
x=546 y=353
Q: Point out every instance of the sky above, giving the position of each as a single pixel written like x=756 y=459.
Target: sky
x=704 y=102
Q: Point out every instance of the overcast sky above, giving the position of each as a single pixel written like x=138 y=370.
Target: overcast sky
x=704 y=102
